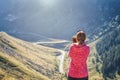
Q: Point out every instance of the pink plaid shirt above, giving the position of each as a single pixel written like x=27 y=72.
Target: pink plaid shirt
x=78 y=56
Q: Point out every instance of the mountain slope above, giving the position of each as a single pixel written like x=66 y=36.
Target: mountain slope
x=24 y=61
x=104 y=56
x=103 y=61
x=94 y=61
x=109 y=50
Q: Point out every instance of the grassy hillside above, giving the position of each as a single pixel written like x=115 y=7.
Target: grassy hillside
x=105 y=51
x=107 y=48
x=94 y=62
x=20 y=60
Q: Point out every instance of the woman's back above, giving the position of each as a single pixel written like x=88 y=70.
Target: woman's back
x=78 y=55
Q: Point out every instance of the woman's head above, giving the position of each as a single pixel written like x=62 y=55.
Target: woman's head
x=81 y=37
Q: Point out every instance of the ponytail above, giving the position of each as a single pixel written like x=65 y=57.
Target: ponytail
x=81 y=42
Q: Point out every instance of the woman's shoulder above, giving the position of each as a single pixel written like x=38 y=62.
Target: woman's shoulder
x=87 y=46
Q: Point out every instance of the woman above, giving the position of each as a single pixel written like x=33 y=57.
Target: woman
x=78 y=54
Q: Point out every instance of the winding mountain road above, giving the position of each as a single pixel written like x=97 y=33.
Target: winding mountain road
x=50 y=42
x=61 y=58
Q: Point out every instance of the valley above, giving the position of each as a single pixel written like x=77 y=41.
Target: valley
x=46 y=60
x=35 y=36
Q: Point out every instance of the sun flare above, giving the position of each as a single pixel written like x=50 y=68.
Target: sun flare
x=48 y=2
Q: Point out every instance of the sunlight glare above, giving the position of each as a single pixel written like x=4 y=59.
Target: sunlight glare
x=48 y=2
